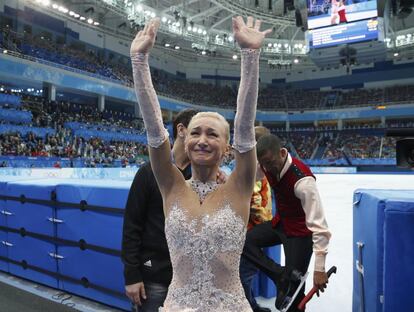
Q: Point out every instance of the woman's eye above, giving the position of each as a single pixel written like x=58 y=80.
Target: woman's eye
x=214 y=135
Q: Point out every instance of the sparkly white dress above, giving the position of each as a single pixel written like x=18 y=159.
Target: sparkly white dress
x=205 y=251
x=205 y=255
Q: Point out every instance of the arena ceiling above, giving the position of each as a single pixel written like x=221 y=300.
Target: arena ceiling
x=204 y=26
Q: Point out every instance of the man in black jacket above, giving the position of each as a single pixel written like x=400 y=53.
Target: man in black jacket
x=147 y=265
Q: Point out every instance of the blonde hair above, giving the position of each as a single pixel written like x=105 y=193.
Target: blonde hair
x=215 y=115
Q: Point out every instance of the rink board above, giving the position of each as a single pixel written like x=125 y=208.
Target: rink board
x=41 y=239
x=383 y=223
x=101 y=228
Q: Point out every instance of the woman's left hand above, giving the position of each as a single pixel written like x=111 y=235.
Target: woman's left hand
x=248 y=35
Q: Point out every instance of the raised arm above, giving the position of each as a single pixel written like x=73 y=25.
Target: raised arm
x=250 y=39
x=159 y=146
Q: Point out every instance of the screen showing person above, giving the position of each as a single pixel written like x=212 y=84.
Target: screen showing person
x=323 y=13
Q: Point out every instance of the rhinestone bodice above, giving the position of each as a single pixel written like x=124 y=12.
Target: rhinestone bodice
x=205 y=255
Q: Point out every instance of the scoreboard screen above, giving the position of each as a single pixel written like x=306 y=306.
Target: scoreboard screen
x=344 y=33
x=324 y=13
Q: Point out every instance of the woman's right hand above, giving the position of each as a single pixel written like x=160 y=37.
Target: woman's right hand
x=145 y=39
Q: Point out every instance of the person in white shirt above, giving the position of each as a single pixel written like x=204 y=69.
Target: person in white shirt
x=299 y=223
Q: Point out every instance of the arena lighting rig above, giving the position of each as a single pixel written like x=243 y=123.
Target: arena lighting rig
x=182 y=28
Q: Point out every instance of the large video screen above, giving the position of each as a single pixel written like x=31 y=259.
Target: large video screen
x=323 y=13
x=342 y=34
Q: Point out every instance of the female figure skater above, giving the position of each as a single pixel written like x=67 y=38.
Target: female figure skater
x=205 y=222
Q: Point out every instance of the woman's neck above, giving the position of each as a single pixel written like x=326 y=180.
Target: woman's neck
x=203 y=173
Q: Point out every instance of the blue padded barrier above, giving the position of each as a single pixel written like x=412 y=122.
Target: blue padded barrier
x=4 y=214
x=399 y=255
x=383 y=242
x=32 y=217
x=95 y=227
x=34 y=252
x=99 y=269
x=4 y=266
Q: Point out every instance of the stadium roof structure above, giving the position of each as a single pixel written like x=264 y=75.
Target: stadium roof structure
x=202 y=28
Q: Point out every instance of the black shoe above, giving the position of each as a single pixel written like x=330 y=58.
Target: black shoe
x=261 y=309
x=286 y=287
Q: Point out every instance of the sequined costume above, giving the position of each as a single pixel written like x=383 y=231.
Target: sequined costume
x=205 y=249
x=205 y=253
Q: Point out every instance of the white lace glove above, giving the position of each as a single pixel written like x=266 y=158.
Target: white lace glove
x=148 y=101
x=244 y=139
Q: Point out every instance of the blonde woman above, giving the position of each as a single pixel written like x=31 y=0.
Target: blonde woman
x=205 y=222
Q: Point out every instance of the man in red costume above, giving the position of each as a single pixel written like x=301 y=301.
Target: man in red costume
x=299 y=223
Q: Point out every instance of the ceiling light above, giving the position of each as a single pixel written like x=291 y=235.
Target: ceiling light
x=96 y=23
x=295 y=61
x=90 y=21
x=230 y=38
x=167 y=45
x=177 y=48
x=203 y=52
x=63 y=9
x=164 y=19
x=396 y=54
x=235 y=57
x=82 y=18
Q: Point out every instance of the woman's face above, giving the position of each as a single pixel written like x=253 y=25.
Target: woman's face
x=206 y=141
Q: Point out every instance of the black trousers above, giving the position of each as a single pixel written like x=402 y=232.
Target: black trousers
x=298 y=252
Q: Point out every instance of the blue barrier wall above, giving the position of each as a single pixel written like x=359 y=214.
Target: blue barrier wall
x=383 y=250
